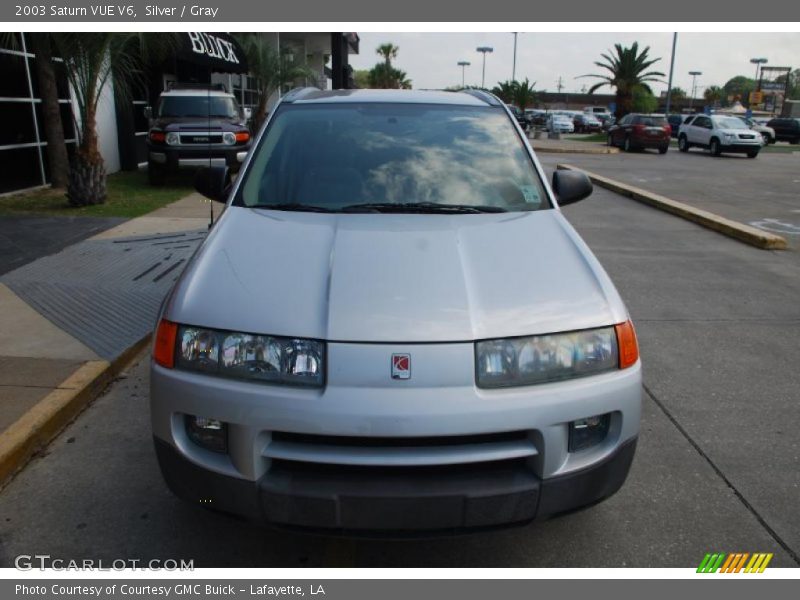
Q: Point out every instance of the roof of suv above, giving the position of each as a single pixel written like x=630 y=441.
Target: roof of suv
x=196 y=92
x=316 y=96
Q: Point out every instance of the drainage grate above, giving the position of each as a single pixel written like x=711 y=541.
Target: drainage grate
x=105 y=293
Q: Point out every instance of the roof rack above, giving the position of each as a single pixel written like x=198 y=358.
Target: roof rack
x=177 y=85
x=298 y=93
x=487 y=97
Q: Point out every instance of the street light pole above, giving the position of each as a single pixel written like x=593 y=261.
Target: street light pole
x=463 y=64
x=671 y=65
x=514 y=63
x=694 y=75
x=758 y=62
x=483 y=50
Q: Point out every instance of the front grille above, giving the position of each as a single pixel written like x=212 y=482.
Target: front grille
x=201 y=138
x=746 y=136
x=420 y=452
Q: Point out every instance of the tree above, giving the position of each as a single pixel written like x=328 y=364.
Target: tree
x=361 y=78
x=714 y=95
x=678 y=93
x=273 y=69
x=524 y=95
x=739 y=87
x=628 y=68
x=384 y=75
x=643 y=100
x=505 y=91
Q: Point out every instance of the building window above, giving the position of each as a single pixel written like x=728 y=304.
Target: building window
x=23 y=149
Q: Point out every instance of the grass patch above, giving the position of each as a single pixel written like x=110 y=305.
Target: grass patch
x=129 y=195
x=592 y=137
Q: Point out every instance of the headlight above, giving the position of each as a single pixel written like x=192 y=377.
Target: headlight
x=266 y=358
x=543 y=358
x=173 y=139
x=229 y=138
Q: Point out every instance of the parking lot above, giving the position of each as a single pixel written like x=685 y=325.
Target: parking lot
x=718 y=462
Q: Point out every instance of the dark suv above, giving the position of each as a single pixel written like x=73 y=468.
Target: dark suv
x=637 y=131
x=786 y=129
x=195 y=126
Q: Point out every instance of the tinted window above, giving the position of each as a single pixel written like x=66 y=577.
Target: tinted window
x=336 y=155
x=650 y=121
x=197 y=106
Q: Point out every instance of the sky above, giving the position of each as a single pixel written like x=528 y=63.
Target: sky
x=430 y=59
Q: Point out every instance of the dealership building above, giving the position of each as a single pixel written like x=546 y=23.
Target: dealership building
x=122 y=126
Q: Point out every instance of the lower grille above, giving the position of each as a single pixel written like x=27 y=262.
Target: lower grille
x=358 y=451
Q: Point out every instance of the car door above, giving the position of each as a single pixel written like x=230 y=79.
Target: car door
x=620 y=130
x=700 y=131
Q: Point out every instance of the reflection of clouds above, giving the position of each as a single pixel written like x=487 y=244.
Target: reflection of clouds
x=457 y=159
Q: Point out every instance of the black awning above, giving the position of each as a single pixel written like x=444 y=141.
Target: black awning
x=217 y=51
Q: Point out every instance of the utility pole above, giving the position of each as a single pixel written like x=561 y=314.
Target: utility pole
x=694 y=75
x=671 y=66
x=484 y=50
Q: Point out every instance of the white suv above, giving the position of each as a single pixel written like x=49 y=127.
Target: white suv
x=719 y=134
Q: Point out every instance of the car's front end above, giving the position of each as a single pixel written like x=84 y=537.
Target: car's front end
x=394 y=368
x=742 y=141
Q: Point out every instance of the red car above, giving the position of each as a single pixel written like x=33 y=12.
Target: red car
x=637 y=131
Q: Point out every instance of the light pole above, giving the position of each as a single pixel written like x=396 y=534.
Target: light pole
x=463 y=64
x=514 y=63
x=671 y=66
x=483 y=50
x=758 y=62
x=694 y=75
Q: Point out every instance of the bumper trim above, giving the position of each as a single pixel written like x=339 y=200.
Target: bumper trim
x=443 y=500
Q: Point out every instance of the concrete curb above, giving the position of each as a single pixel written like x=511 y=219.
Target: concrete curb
x=733 y=229
x=43 y=422
x=562 y=150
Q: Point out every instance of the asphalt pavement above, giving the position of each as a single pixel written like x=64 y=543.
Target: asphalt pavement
x=717 y=467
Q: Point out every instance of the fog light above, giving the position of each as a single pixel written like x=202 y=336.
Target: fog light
x=588 y=432
x=208 y=433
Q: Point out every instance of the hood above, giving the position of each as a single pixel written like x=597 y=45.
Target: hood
x=196 y=124
x=394 y=278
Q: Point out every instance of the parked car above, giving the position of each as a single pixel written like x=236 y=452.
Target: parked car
x=609 y=123
x=520 y=116
x=560 y=123
x=600 y=113
x=536 y=116
x=719 y=133
x=786 y=129
x=675 y=122
x=637 y=131
x=585 y=123
x=768 y=133
x=192 y=126
x=368 y=341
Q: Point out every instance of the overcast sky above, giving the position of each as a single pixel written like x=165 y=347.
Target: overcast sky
x=430 y=59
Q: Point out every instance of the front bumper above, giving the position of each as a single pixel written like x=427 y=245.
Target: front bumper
x=172 y=158
x=742 y=147
x=396 y=503
x=434 y=443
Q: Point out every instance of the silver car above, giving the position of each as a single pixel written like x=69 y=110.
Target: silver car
x=393 y=328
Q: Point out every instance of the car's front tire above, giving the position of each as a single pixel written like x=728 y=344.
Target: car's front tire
x=627 y=145
x=663 y=149
x=156 y=174
x=752 y=154
x=683 y=144
x=714 y=147
x=609 y=140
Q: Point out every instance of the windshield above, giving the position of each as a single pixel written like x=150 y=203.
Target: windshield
x=731 y=123
x=340 y=156
x=652 y=121
x=198 y=106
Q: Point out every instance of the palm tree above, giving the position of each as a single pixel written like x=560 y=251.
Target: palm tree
x=524 y=95
x=505 y=91
x=713 y=94
x=388 y=52
x=92 y=60
x=273 y=69
x=628 y=69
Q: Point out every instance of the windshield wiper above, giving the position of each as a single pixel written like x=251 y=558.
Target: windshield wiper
x=294 y=206
x=421 y=207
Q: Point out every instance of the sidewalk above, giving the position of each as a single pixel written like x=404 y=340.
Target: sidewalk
x=69 y=322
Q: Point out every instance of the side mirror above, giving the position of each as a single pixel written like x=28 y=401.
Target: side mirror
x=212 y=182
x=248 y=113
x=148 y=112
x=571 y=186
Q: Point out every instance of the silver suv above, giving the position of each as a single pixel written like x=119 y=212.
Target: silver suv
x=719 y=134
x=393 y=328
